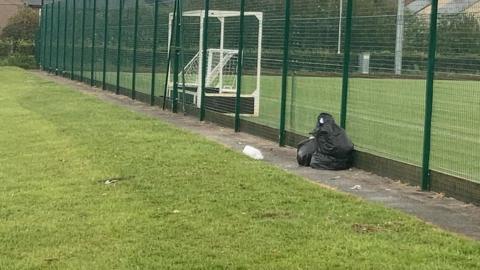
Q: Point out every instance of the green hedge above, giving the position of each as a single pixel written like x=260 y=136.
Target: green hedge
x=19 y=60
x=22 y=55
x=5 y=48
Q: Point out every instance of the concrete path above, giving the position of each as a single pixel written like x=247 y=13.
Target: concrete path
x=447 y=213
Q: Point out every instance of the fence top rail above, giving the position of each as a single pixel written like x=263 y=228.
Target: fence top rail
x=219 y=13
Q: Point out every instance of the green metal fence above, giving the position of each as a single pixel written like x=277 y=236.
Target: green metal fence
x=402 y=91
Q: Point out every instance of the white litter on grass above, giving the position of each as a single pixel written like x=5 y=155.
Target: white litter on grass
x=253 y=152
x=109 y=182
x=356 y=187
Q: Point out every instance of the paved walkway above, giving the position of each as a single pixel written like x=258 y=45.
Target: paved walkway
x=446 y=213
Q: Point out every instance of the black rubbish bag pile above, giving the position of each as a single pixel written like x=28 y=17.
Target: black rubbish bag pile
x=328 y=149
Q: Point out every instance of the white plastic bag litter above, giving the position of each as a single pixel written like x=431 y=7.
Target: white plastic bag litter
x=253 y=152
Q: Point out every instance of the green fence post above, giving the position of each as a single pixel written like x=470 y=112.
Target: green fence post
x=64 y=66
x=72 y=75
x=52 y=6
x=44 y=34
x=154 y=55
x=286 y=54
x=39 y=37
x=204 y=60
x=48 y=7
x=169 y=55
x=135 y=40
x=346 y=64
x=105 y=41
x=82 y=53
x=182 y=61
x=176 y=60
x=57 y=51
x=426 y=181
x=119 y=45
x=293 y=98
x=238 y=103
x=92 y=64
x=45 y=38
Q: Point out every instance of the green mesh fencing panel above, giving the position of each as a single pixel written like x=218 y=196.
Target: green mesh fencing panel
x=83 y=42
x=456 y=99
x=111 y=57
x=126 y=54
x=70 y=37
x=168 y=39
x=144 y=46
x=316 y=62
x=87 y=41
x=77 y=44
x=387 y=84
x=58 y=36
x=61 y=38
x=97 y=36
x=189 y=59
x=45 y=38
x=221 y=56
x=98 y=33
x=164 y=9
x=53 y=36
x=66 y=35
x=263 y=53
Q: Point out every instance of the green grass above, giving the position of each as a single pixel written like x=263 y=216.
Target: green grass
x=385 y=116
x=185 y=202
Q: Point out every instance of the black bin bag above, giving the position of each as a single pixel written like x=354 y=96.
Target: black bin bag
x=334 y=150
x=305 y=150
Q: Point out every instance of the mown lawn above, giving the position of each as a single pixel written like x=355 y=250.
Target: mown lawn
x=182 y=202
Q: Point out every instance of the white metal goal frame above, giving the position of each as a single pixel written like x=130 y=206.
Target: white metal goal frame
x=221 y=15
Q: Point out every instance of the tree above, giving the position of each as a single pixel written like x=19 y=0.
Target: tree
x=459 y=34
x=21 y=27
